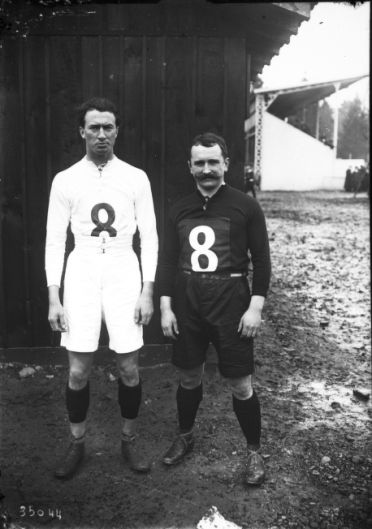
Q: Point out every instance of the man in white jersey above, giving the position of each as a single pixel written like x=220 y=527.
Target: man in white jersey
x=106 y=200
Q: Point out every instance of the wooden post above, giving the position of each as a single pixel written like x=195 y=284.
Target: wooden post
x=335 y=126
x=317 y=121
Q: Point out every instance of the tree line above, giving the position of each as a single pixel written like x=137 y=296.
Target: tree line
x=353 y=131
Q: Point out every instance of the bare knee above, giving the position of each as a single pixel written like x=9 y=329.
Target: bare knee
x=128 y=370
x=129 y=376
x=242 y=387
x=78 y=378
x=191 y=378
x=79 y=370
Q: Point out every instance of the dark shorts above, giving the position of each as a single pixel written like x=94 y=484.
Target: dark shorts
x=209 y=310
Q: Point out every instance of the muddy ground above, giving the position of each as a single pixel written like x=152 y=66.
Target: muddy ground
x=313 y=352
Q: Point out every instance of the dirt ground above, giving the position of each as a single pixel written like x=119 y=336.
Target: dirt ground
x=312 y=354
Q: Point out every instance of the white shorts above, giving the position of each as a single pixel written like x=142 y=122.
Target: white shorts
x=101 y=286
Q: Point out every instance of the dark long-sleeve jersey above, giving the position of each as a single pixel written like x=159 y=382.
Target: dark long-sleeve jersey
x=214 y=235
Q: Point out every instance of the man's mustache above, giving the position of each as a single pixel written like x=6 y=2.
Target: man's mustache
x=207 y=177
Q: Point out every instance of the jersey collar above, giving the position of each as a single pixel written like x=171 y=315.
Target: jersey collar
x=107 y=164
x=206 y=198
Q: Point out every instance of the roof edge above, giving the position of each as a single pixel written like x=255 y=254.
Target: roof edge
x=308 y=84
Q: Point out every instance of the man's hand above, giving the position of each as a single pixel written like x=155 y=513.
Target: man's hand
x=250 y=322
x=144 y=307
x=56 y=314
x=168 y=318
x=169 y=323
x=56 y=317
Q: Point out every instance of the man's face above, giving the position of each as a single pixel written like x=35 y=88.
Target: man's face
x=99 y=132
x=208 y=166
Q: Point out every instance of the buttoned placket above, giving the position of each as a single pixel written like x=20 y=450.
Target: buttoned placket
x=103 y=238
x=206 y=199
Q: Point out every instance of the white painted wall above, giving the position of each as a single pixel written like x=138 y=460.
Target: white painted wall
x=343 y=164
x=291 y=160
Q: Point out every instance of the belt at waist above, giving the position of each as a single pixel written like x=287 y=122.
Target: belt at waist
x=103 y=248
x=93 y=242
x=215 y=275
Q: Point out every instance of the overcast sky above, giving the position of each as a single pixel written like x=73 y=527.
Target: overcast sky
x=333 y=44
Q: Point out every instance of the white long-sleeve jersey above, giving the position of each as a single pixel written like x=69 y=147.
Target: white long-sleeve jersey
x=105 y=205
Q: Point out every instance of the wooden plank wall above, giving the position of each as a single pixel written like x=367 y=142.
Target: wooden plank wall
x=168 y=88
x=15 y=281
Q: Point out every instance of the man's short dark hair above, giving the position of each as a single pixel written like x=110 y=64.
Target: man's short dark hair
x=208 y=139
x=97 y=103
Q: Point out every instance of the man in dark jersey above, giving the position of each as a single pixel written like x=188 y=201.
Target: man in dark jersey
x=205 y=295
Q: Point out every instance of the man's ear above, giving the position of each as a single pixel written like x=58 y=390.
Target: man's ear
x=189 y=164
x=117 y=132
x=82 y=132
x=227 y=163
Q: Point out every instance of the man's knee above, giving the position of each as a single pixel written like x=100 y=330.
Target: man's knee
x=128 y=369
x=191 y=378
x=77 y=379
x=79 y=370
x=242 y=387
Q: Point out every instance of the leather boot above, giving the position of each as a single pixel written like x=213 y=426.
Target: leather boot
x=69 y=464
x=182 y=445
x=255 y=469
x=130 y=454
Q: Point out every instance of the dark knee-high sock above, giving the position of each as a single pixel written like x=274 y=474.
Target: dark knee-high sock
x=77 y=403
x=129 y=398
x=188 y=401
x=248 y=413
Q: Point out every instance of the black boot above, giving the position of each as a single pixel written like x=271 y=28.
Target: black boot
x=182 y=445
x=255 y=469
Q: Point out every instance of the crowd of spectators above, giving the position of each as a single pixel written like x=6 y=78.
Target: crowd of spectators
x=357 y=179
